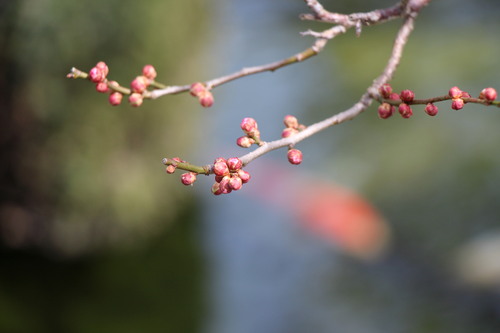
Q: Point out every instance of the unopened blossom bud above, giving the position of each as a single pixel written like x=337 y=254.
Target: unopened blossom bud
x=224 y=185
x=149 y=71
x=96 y=75
x=288 y=132
x=234 y=163
x=248 y=125
x=139 y=84
x=103 y=67
x=385 y=110
x=135 y=99
x=385 y=90
x=188 y=178
x=291 y=122
x=457 y=104
x=455 y=92
x=220 y=168
x=405 y=110
x=302 y=127
x=170 y=169
x=245 y=141
x=489 y=94
x=102 y=87
x=206 y=98
x=407 y=96
x=294 y=156
x=216 y=189
x=115 y=98
x=244 y=176
x=394 y=97
x=431 y=109
x=196 y=89
x=235 y=183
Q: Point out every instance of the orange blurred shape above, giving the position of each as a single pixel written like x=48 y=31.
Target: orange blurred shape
x=344 y=217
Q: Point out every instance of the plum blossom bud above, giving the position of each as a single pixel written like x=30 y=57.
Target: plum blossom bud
x=489 y=94
x=102 y=87
x=291 y=122
x=245 y=141
x=294 y=156
x=206 y=98
x=405 y=110
x=248 y=125
x=235 y=183
x=394 y=97
x=139 y=84
x=457 y=104
x=170 y=169
x=385 y=90
x=196 y=88
x=385 y=110
x=288 y=132
x=431 y=109
x=455 y=92
x=224 y=185
x=188 y=178
x=135 y=99
x=220 y=168
x=115 y=98
x=216 y=188
x=244 y=176
x=149 y=72
x=407 y=96
x=96 y=75
x=103 y=67
x=234 y=163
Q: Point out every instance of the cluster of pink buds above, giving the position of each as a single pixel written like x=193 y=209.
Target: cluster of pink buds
x=228 y=175
x=187 y=178
x=292 y=126
x=140 y=84
x=252 y=133
x=204 y=95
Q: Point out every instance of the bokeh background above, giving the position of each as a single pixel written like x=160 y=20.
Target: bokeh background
x=95 y=237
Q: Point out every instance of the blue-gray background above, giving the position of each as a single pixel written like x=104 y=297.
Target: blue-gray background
x=96 y=237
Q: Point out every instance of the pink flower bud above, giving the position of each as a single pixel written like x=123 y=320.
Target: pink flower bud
x=220 y=159
x=149 y=71
x=294 y=156
x=216 y=189
x=407 y=96
x=291 y=122
x=457 y=104
x=220 y=168
x=489 y=94
x=245 y=141
x=405 y=110
x=248 y=125
x=170 y=169
x=235 y=183
x=96 y=75
x=385 y=110
x=224 y=185
x=103 y=67
x=115 y=98
x=455 y=92
x=139 y=84
x=244 y=176
x=394 y=97
x=206 y=98
x=102 y=87
x=385 y=90
x=188 y=178
x=287 y=132
x=196 y=89
x=234 y=164
x=431 y=109
x=135 y=99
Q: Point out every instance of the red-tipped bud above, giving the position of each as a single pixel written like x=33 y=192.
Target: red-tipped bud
x=102 y=87
x=216 y=189
x=220 y=168
x=291 y=122
x=248 y=125
x=178 y=159
x=431 y=109
x=149 y=71
x=455 y=92
x=288 y=132
x=206 y=98
x=489 y=94
x=457 y=104
x=170 y=169
x=385 y=110
x=115 y=98
x=407 y=96
x=224 y=185
x=139 y=84
x=385 y=90
x=188 y=178
x=235 y=183
x=196 y=89
x=103 y=67
x=394 y=97
x=245 y=141
x=135 y=99
x=294 y=156
x=234 y=164
x=96 y=75
x=405 y=110
x=244 y=176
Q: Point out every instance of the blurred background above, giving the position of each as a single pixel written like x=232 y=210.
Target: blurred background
x=387 y=226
